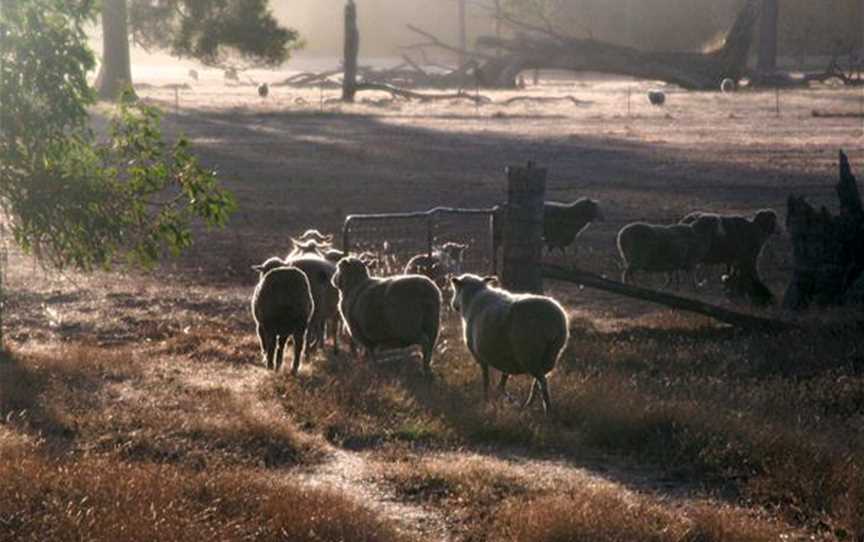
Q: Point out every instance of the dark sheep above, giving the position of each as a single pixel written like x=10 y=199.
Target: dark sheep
x=282 y=307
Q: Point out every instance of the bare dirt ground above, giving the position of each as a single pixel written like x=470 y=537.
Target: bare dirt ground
x=296 y=161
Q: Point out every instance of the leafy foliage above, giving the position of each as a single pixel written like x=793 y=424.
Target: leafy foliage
x=70 y=199
x=213 y=31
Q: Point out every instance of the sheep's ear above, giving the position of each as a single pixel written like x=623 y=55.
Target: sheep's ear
x=257 y=268
x=490 y=280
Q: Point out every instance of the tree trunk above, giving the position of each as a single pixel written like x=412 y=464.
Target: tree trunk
x=698 y=71
x=768 y=36
x=463 y=32
x=115 y=73
x=352 y=50
x=523 y=229
x=828 y=250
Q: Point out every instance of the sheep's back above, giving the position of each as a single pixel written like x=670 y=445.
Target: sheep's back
x=282 y=295
x=652 y=247
x=395 y=311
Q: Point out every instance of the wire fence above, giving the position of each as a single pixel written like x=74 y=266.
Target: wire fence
x=395 y=238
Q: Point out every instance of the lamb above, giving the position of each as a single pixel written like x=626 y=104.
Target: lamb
x=447 y=260
x=320 y=273
x=562 y=222
x=657 y=248
x=394 y=312
x=282 y=307
x=317 y=236
x=514 y=333
x=742 y=241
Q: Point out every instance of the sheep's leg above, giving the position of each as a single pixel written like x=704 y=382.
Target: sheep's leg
x=530 y=399
x=280 y=350
x=262 y=342
x=337 y=330
x=485 y=370
x=502 y=386
x=544 y=389
x=428 y=346
x=299 y=343
x=269 y=349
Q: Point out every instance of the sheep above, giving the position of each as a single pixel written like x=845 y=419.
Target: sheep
x=742 y=240
x=514 y=333
x=447 y=260
x=657 y=97
x=394 y=312
x=282 y=307
x=320 y=273
x=563 y=222
x=305 y=248
x=656 y=248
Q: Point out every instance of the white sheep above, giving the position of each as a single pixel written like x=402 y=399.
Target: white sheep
x=518 y=334
x=393 y=312
x=282 y=308
x=657 y=248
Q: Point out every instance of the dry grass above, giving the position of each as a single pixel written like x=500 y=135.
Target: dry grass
x=772 y=421
x=773 y=424
x=492 y=499
x=101 y=499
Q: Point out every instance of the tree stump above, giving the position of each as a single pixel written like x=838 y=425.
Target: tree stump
x=523 y=229
x=828 y=250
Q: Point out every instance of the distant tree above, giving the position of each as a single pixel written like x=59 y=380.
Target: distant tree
x=214 y=32
x=70 y=199
x=768 y=35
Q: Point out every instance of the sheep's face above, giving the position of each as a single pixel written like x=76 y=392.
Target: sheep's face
x=596 y=213
x=349 y=273
x=467 y=286
x=269 y=265
x=453 y=254
x=766 y=220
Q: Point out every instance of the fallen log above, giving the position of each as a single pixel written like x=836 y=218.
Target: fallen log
x=733 y=318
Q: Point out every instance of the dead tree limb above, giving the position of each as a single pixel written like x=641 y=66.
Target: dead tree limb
x=545 y=99
x=737 y=319
x=423 y=97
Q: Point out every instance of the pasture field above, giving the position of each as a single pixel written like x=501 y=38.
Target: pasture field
x=134 y=405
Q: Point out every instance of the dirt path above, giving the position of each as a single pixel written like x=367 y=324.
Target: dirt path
x=350 y=474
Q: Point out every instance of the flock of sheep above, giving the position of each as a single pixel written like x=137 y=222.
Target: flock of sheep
x=317 y=291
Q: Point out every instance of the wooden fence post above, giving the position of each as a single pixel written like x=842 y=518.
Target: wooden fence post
x=352 y=48
x=523 y=229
